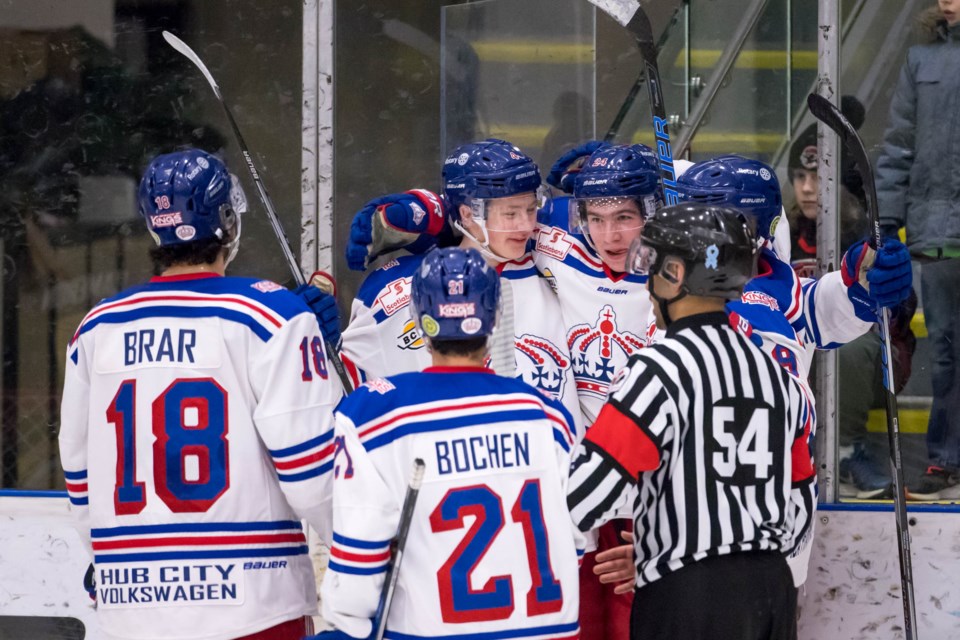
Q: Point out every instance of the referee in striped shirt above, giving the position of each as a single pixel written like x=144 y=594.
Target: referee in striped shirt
x=710 y=440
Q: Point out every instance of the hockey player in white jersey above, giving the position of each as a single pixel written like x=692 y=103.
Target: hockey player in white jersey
x=822 y=313
x=197 y=430
x=491 y=196
x=491 y=551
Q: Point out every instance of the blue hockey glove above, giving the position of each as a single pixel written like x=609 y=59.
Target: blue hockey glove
x=876 y=279
x=408 y=221
x=564 y=171
x=556 y=212
x=335 y=634
x=324 y=306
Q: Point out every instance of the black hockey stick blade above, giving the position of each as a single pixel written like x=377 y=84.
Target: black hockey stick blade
x=631 y=15
x=400 y=542
x=184 y=49
x=828 y=113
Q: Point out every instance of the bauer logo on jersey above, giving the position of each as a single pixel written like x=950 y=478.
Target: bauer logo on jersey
x=266 y=286
x=457 y=310
x=541 y=364
x=395 y=296
x=599 y=351
x=410 y=338
x=166 y=220
x=758 y=297
x=553 y=243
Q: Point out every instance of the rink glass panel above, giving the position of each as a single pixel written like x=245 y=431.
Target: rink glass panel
x=84 y=108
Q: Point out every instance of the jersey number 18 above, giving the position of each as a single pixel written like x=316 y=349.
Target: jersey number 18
x=190 y=452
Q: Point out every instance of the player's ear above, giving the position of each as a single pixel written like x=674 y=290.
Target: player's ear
x=466 y=214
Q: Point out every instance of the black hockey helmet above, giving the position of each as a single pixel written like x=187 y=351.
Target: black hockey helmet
x=717 y=245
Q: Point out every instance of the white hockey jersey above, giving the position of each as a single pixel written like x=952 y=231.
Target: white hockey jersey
x=196 y=431
x=382 y=338
x=605 y=314
x=492 y=551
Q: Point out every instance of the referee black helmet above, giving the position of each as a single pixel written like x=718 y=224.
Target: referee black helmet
x=716 y=244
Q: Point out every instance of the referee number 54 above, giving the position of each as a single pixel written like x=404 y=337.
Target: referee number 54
x=744 y=438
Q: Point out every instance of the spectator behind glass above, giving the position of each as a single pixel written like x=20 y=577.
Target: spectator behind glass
x=802 y=169
x=918 y=186
x=863 y=469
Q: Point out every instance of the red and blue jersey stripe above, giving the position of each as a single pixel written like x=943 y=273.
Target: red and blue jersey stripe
x=359 y=557
x=198 y=541
x=77 y=490
x=306 y=460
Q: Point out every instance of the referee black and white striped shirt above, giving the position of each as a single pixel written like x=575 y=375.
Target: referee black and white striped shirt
x=716 y=439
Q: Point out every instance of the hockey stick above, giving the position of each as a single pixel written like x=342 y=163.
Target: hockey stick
x=641 y=77
x=824 y=111
x=325 y=282
x=631 y=15
x=190 y=55
x=403 y=529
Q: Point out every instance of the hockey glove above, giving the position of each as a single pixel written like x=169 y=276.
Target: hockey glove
x=564 y=171
x=90 y=583
x=324 y=306
x=877 y=279
x=408 y=221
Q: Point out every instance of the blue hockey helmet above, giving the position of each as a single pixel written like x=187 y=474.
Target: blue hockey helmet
x=188 y=196
x=609 y=175
x=486 y=170
x=733 y=181
x=455 y=295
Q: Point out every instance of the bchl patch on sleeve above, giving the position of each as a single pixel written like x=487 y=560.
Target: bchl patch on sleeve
x=553 y=242
x=266 y=286
x=380 y=385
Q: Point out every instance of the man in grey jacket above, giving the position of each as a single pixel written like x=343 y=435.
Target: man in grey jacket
x=918 y=186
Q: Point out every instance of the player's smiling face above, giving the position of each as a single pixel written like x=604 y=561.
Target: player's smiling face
x=510 y=223
x=613 y=223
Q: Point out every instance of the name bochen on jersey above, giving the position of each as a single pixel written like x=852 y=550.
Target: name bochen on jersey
x=496 y=455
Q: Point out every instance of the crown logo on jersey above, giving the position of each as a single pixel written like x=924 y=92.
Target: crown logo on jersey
x=599 y=351
x=541 y=363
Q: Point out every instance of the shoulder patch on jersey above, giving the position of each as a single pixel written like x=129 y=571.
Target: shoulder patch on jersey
x=553 y=242
x=411 y=337
x=758 y=297
x=390 y=265
x=266 y=286
x=395 y=296
x=380 y=385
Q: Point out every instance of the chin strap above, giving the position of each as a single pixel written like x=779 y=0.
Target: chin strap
x=484 y=247
x=663 y=303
